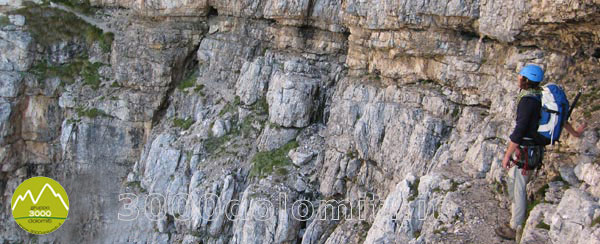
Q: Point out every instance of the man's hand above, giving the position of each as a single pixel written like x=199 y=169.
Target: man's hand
x=512 y=147
x=506 y=163
x=578 y=132
x=581 y=128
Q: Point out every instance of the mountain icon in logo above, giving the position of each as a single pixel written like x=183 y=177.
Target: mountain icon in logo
x=36 y=200
x=40 y=205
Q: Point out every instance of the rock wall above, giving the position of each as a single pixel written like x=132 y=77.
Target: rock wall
x=214 y=107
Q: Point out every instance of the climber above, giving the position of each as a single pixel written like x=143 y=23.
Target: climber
x=526 y=135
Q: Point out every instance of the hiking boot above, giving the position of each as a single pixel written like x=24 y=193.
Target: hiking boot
x=506 y=232
x=519 y=233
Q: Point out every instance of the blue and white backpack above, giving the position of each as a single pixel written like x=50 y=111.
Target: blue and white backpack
x=555 y=109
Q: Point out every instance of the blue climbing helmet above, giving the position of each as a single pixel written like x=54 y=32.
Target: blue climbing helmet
x=533 y=72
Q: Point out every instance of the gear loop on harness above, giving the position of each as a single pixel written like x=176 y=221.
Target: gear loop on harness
x=526 y=151
x=528 y=157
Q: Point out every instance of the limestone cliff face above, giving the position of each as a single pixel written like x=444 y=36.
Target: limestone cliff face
x=405 y=104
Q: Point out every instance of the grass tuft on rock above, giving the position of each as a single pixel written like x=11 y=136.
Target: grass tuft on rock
x=542 y=225
x=105 y=41
x=69 y=72
x=49 y=26
x=541 y=193
x=199 y=89
x=183 y=123
x=4 y=21
x=595 y=222
x=230 y=107
x=453 y=186
x=90 y=113
x=351 y=154
x=440 y=230
x=590 y=97
x=188 y=82
x=81 y=6
x=414 y=189
x=264 y=163
x=90 y=75
x=261 y=106
x=136 y=185
x=66 y=72
x=245 y=129
x=530 y=206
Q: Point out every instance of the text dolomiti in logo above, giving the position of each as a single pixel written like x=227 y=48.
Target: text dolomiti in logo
x=40 y=205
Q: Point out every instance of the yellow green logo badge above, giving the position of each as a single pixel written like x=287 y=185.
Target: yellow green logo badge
x=40 y=205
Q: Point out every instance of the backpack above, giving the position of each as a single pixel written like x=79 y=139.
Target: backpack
x=553 y=115
x=555 y=109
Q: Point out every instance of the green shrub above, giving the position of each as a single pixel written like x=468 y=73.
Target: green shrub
x=453 y=187
x=589 y=101
x=281 y=171
x=188 y=82
x=244 y=129
x=351 y=154
x=263 y=163
x=81 y=6
x=66 y=72
x=230 y=107
x=541 y=193
x=4 y=21
x=455 y=112
x=199 y=88
x=595 y=108
x=136 y=185
x=73 y=121
x=542 y=225
x=183 y=123
x=414 y=189
x=595 y=222
x=531 y=205
x=49 y=25
x=90 y=113
x=261 y=106
x=90 y=75
x=440 y=230
x=106 y=41
x=70 y=71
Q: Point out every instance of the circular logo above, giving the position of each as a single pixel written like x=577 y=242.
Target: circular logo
x=40 y=205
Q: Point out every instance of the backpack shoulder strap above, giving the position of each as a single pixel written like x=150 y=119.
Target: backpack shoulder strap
x=537 y=95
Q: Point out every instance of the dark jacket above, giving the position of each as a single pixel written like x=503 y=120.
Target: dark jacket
x=528 y=116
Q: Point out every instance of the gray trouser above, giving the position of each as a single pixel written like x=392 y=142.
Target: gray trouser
x=517 y=190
